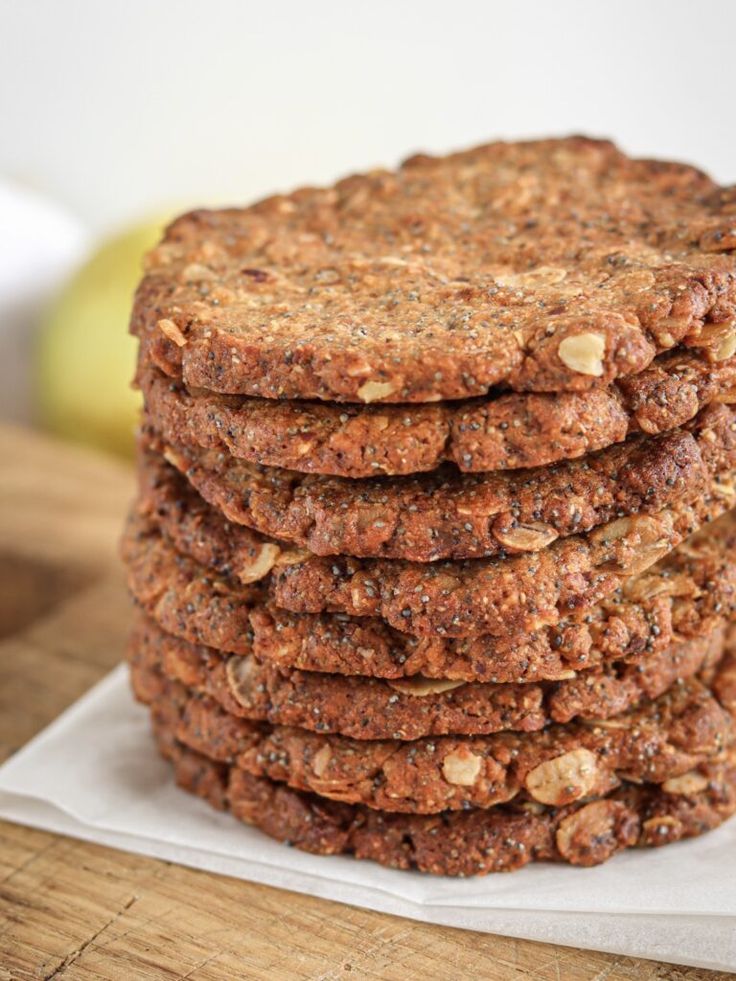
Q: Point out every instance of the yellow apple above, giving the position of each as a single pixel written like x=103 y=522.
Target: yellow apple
x=85 y=357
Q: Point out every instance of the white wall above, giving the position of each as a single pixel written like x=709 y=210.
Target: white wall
x=119 y=108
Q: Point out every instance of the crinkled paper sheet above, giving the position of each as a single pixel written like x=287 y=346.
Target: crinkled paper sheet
x=94 y=774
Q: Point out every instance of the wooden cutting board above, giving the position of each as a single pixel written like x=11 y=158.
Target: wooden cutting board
x=74 y=910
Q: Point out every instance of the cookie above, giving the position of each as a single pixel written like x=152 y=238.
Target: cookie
x=166 y=499
x=685 y=595
x=369 y=708
x=446 y=515
x=452 y=599
x=678 y=465
x=660 y=740
x=510 y=431
x=184 y=598
x=555 y=265
x=502 y=597
x=465 y=843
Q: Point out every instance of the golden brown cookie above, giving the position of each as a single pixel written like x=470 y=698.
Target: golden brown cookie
x=657 y=742
x=510 y=431
x=464 y=843
x=447 y=515
x=554 y=265
x=502 y=596
x=371 y=708
x=687 y=594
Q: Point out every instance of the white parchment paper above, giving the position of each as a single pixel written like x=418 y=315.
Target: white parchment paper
x=94 y=774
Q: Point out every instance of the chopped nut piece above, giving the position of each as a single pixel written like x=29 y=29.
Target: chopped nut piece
x=461 y=768
x=372 y=391
x=645 y=588
x=589 y=836
x=321 y=760
x=661 y=829
x=261 y=565
x=583 y=353
x=643 y=539
x=613 y=531
x=175 y=458
x=688 y=783
x=419 y=686
x=169 y=329
x=532 y=807
x=240 y=671
x=725 y=348
x=527 y=538
x=563 y=779
x=646 y=557
x=292 y=556
x=718 y=339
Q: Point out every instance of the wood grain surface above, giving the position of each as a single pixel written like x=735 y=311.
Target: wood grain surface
x=79 y=911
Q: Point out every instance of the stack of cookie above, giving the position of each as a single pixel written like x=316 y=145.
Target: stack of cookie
x=433 y=555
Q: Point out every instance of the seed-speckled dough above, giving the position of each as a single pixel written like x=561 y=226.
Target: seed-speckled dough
x=504 y=433
x=684 y=595
x=661 y=740
x=555 y=265
x=499 y=596
x=371 y=708
x=462 y=843
x=446 y=515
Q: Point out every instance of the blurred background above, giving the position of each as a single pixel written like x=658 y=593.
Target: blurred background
x=113 y=117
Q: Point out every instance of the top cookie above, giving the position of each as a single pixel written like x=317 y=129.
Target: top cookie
x=556 y=265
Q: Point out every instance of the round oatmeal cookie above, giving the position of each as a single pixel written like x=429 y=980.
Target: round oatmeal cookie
x=510 y=431
x=684 y=595
x=464 y=843
x=185 y=599
x=371 y=708
x=553 y=265
x=447 y=515
x=657 y=742
x=201 y=531
x=498 y=596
